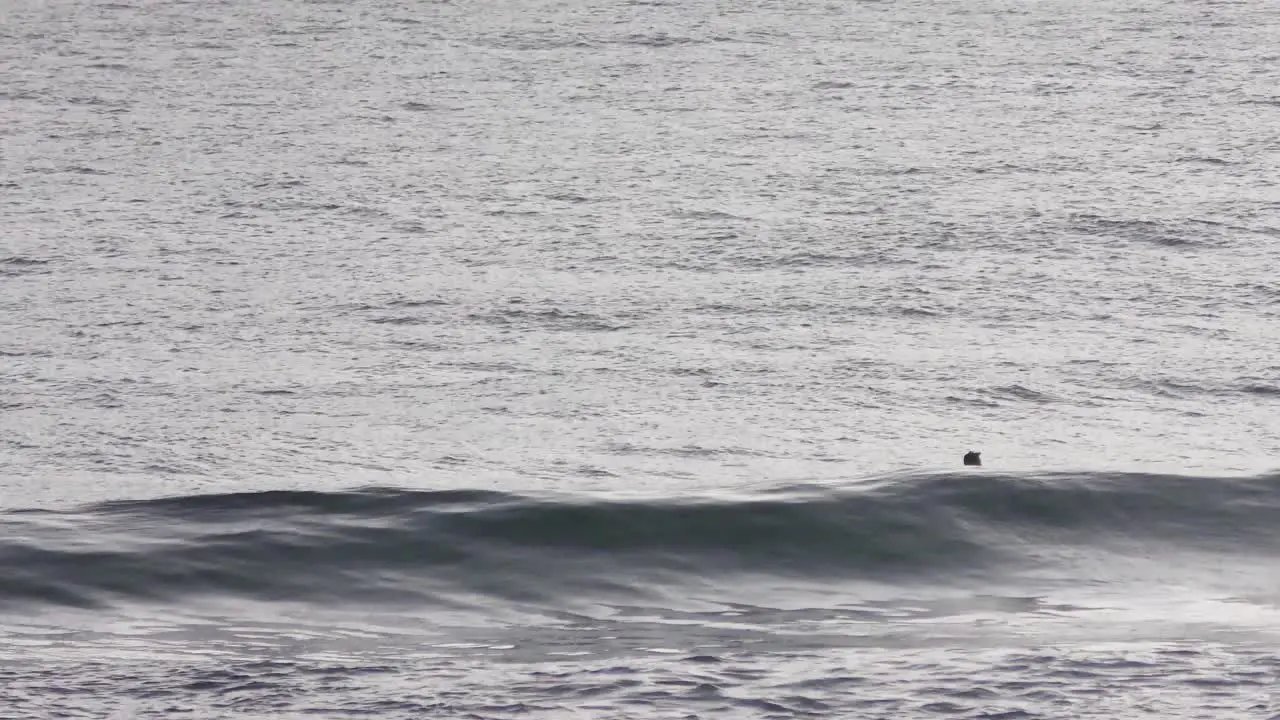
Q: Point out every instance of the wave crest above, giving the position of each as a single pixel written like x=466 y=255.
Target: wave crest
x=430 y=546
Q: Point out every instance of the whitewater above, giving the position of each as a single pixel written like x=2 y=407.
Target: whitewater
x=617 y=360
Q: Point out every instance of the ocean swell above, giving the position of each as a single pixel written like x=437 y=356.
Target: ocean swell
x=406 y=545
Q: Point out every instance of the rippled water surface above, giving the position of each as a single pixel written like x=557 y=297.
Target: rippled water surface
x=614 y=360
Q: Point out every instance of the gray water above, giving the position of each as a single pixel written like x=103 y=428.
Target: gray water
x=633 y=255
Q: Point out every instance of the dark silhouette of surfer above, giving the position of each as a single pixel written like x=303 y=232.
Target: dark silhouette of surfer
x=973 y=458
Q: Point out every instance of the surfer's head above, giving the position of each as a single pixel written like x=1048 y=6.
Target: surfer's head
x=973 y=458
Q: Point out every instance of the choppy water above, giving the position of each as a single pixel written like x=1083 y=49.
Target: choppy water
x=615 y=360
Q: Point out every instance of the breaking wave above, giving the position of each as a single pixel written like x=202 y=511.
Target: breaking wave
x=433 y=546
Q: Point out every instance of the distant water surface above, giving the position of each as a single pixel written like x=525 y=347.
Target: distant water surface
x=461 y=359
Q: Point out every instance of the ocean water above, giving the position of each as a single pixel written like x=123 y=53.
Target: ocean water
x=615 y=360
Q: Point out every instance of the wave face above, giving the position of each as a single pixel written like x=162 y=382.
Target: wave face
x=401 y=545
